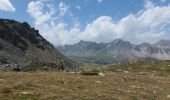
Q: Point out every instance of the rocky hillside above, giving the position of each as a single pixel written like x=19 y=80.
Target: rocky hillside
x=23 y=47
x=116 y=51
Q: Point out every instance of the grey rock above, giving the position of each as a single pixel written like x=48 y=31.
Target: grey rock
x=116 y=51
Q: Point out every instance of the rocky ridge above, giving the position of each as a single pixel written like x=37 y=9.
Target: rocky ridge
x=116 y=51
x=21 y=46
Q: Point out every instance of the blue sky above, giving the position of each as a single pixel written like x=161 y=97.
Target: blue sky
x=89 y=9
x=69 y=21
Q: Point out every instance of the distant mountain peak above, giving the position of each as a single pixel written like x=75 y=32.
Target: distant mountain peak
x=119 y=41
x=116 y=51
x=83 y=41
x=145 y=44
x=163 y=43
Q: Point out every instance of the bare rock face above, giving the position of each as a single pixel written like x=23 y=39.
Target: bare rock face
x=163 y=44
x=116 y=51
x=23 y=46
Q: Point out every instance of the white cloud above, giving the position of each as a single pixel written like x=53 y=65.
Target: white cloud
x=78 y=7
x=100 y=30
x=148 y=4
x=51 y=27
x=99 y=1
x=5 y=5
x=163 y=1
x=148 y=25
x=63 y=8
x=36 y=10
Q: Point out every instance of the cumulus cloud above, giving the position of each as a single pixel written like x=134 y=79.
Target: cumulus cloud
x=50 y=26
x=36 y=10
x=5 y=5
x=148 y=25
x=148 y=4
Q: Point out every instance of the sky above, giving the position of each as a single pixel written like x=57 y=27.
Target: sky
x=69 y=21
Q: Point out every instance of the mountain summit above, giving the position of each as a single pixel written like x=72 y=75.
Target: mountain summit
x=23 y=46
x=116 y=51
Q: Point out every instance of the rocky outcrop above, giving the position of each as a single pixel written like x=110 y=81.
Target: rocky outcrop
x=23 y=46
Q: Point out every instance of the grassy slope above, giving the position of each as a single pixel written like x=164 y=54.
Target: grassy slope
x=125 y=81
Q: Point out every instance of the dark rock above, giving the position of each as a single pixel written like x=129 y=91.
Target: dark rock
x=23 y=45
x=1 y=46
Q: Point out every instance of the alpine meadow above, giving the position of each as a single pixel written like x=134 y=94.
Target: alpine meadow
x=84 y=50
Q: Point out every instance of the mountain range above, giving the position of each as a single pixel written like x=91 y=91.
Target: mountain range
x=116 y=51
x=22 y=46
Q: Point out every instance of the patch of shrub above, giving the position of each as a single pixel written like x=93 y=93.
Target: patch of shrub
x=5 y=90
x=33 y=66
x=90 y=73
